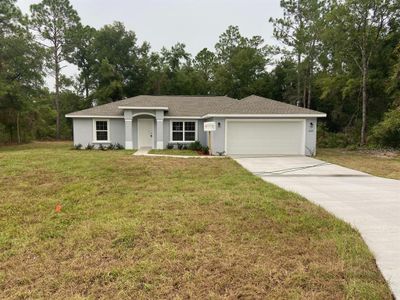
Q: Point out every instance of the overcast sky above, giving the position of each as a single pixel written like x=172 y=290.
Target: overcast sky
x=196 y=23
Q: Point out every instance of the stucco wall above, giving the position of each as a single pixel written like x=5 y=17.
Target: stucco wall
x=83 y=131
x=311 y=137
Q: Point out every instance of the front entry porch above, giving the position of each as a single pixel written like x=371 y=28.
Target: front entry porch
x=144 y=129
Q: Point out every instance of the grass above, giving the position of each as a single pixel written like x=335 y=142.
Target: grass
x=150 y=228
x=378 y=163
x=185 y=152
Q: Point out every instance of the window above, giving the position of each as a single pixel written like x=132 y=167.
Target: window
x=101 y=130
x=183 y=131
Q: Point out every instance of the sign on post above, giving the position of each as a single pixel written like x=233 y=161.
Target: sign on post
x=210 y=126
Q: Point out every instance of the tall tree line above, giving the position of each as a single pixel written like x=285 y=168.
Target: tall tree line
x=341 y=57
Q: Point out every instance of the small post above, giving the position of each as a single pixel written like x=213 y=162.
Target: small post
x=208 y=127
x=209 y=142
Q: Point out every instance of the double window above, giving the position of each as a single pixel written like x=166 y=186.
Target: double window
x=101 y=130
x=184 y=131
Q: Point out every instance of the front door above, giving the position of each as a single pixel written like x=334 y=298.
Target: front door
x=145 y=133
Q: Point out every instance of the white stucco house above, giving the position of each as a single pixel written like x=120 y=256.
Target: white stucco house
x=250 y=126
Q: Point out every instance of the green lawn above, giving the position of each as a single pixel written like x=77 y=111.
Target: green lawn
x=378 y=163
x=185 y=152
x=148 y=228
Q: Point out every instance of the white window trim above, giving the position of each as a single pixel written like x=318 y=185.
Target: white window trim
x=195 y=132
x=94 y=131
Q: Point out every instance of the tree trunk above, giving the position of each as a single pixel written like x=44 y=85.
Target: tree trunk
x=11 y=133
x=57 y=95
x=305 y=93
x=86 y=89
x=310 y=74
x=298 y=76
x=18 y=130
x=364 y=103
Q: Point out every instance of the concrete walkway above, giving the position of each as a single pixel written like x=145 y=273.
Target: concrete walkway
x=145 y=152
x=142 y=151
x=369 y=203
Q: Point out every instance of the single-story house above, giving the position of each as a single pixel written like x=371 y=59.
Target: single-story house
x=250 y=126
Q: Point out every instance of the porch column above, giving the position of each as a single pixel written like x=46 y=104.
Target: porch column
x=128 y=129
x=160 y=129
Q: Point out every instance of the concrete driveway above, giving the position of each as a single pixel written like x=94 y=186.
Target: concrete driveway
x=369 y=203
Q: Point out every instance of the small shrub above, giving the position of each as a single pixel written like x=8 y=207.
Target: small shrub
x=170 y=146
x=195 y=146
x=118 y=146
x=205 y=150
x=180 y=146
x=78 y=146
x=184 y=147
x=327 y=139
x=387 y=132
x=89 y=147
x=351 y=147
x=111 y=147
x=101 y=147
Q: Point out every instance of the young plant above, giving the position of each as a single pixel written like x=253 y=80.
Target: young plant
x=78 y=146
x=195 y=146
x=89 y=147
x=170 y=146
x=205 y=150
x=118 y=146
x=101 y=147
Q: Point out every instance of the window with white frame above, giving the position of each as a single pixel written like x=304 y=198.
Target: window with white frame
x=101 y=130
x=183 y=131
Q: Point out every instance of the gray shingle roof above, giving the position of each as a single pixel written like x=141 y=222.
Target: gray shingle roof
x=198 y=106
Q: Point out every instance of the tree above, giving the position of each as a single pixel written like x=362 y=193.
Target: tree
x=130 y=62
x=393 y=86
x=358 y=27
x=54 y=20
x=21 y=76
x=204 y=65
x=110 y=83
x=241 y=63
x=10 y=16
x=300 y=29
x=83 y=56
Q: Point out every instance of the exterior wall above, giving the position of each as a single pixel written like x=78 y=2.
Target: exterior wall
x=117 y=131
x=83 y=131
x=218 y=136
x=311 y=137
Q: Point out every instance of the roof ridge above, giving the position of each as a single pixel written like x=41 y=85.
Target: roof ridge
x=200 y=96
x=280 y=102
